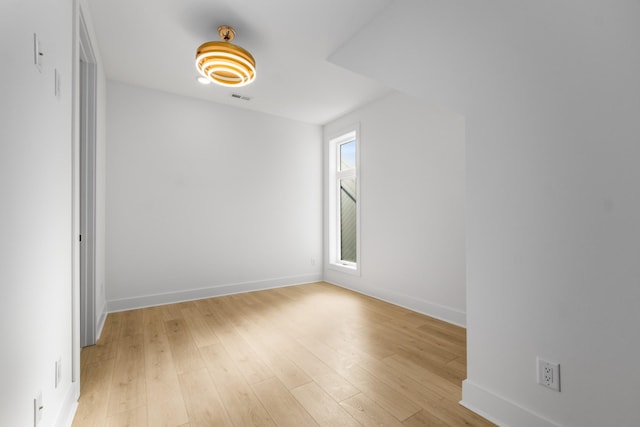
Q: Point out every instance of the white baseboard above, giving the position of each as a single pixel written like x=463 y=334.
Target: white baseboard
x=448 y=314
x=214 y=291
x=499 y=410
x=69 y=407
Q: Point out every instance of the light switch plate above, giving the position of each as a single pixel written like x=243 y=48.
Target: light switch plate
x=38 y=408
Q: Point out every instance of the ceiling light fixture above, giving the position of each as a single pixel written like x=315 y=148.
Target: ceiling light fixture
x=224 y=63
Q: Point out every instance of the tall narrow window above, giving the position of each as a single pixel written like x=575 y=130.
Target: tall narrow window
x=343 y=202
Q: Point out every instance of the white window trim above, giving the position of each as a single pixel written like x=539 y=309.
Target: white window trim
x=333 y=213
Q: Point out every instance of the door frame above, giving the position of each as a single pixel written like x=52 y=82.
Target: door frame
x=87 y=145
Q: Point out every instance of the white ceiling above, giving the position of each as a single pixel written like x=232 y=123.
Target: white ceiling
x=152 y=43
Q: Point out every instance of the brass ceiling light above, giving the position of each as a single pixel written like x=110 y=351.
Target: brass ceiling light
x=224 y=63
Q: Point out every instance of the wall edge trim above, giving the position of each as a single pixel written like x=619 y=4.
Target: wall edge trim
x=69 y=407
x=101 y=320
x=428 y=308
x=499 y=410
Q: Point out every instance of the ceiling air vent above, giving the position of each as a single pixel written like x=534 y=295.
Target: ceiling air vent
x=245 y=98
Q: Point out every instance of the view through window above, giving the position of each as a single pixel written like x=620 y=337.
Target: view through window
x=343 y=201
x=348 y=201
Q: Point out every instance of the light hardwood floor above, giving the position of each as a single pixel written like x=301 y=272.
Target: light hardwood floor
x=298 y=356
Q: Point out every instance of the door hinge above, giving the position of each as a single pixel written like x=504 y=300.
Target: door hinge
x=80 y=240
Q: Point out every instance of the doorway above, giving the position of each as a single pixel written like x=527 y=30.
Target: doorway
x=87 y=182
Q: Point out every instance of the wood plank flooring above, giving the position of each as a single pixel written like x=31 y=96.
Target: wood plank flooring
x=310 y=355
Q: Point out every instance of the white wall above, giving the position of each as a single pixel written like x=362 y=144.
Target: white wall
x=412 y=206
x=205 y=199
x=551 y=99
x=36 y=210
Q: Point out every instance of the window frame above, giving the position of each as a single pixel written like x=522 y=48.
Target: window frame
x=334 y=141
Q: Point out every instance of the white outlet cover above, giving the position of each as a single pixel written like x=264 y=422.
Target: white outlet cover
x=548 y=374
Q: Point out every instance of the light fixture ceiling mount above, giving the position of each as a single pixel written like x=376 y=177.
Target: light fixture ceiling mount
x=224 y=63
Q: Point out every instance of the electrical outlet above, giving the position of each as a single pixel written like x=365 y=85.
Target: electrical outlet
x=38 y=408
x=549 y=374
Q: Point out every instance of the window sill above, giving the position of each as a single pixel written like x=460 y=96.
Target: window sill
x=352 y=269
